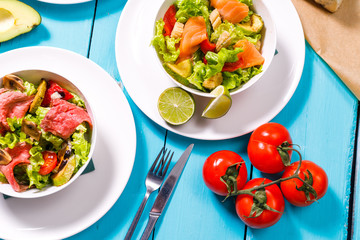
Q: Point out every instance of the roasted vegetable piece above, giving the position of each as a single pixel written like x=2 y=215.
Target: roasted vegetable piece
x=13 y=82
x=38 y=97
x=54 y=88
x=65 y=173
x=63 y=156
x=5 y=157
x=30 y=129
x=254 y=25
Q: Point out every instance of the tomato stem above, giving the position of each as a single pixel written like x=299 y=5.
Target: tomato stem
x=230 y=176
x=262 y=186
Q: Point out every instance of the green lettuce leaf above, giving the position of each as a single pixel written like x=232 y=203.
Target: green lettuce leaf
x=10 y=139
x=236 y=32
x=14 y=123
x=77 y=100
x=36 y=160
x=253 y=38
x=165 y=46
x=39 y=115
x=193 y=8
x=215 y=63
x=30 y=88
x=198 y=75
x=80 y=146
x=50 y=141
x=247 y=2
x=239 y=77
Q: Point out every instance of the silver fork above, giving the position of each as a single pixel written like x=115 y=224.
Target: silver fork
x=153 y=181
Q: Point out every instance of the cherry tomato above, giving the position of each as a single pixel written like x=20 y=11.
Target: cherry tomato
x=217 y=165
x=264 y=146
x=312 y=174
x=274 y=199
x=50 y=162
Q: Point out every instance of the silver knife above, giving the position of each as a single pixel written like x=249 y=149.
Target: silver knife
x=165 y=192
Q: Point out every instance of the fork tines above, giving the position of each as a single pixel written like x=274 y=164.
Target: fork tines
x=164 y=162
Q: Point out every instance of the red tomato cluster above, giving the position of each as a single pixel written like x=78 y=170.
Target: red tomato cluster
x=269 y=150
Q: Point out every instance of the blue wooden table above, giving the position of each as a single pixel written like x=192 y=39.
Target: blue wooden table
x=322 y=117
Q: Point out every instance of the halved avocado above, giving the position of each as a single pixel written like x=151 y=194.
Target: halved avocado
x=65 y=173
x=16 y=18
x=179 y=71
x=254 y=25
x=38 y=97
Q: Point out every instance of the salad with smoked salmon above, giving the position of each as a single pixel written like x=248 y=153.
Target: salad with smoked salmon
x=45 y=133
x=206 y=43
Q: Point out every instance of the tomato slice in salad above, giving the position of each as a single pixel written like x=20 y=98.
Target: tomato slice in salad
x=232 y=66
x=169 y=20
x=50 y=162
x=206 y=46
x=52 y=88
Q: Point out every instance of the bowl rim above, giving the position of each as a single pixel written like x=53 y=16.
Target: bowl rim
x=36 y=193
x=270 y=23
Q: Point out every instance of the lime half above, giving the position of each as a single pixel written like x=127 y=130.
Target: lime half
x=176 y=106
x=218 y=106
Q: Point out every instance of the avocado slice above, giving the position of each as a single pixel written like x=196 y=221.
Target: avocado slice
x=3 y=178
x=179 y=71
x=38 y=97
x=16 y=18
x=64 y=175
x=214 y=81
x=253 y=26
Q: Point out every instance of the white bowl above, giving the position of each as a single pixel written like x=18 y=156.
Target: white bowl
x=267 y=49
x=35 y=76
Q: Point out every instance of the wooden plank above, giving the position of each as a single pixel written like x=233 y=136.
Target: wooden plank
x=321 y=118
x=194 y=211
x=150 y=137
x=63 y=26
x=356 y=204
x=102 y=49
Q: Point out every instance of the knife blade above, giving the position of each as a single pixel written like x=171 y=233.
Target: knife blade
x=166 y=191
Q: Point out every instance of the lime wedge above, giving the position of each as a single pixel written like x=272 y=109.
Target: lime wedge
x=176 y=106
x=218 y=106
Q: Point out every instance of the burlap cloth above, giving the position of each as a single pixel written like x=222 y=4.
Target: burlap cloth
x=335 y=37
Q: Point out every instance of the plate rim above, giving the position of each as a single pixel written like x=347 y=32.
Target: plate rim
x=115 y=195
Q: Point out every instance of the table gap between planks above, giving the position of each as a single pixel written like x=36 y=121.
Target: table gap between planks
x=322 y=117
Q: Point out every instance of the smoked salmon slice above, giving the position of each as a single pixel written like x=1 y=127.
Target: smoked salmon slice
x=250 y=56
x=231 y=10
x=193 y=34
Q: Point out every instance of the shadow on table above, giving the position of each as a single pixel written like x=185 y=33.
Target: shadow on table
x=39 y=34
x=319 y=219
x=298 y=101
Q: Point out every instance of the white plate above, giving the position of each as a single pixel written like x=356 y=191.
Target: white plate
x=144 y=78
x=86 y=200
x=64 y=1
